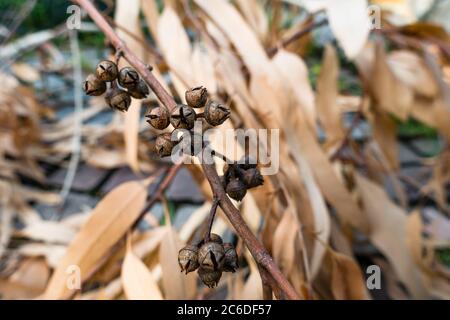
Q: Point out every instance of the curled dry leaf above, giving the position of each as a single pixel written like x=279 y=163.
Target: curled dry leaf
x=138 y=282
x=176 y=285
x=347 y=280
x=410 y=68
x=387 y=224
x=326 y=97
x=109 y=221
x=349 y=22
x=48 y=231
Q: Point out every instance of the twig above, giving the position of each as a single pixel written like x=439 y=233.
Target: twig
x=297 y=35
x=355 y=121
x=162 y=187
x=255 y=247
x=259 y=253
x=142 y=41
x=197 y=24
x=212 y=214
x=266 y=289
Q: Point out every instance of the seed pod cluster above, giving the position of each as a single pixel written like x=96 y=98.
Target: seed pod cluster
x=120 y=86
x=183 y=116
x=211 y=258
x=241 y=176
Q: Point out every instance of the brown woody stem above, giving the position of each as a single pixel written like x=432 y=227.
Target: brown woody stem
x=278 y=281
x=212 y=215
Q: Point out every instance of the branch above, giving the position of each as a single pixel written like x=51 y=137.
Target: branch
x=212 y=215
x=255 y=247
x=297 y=35
x=278 y=281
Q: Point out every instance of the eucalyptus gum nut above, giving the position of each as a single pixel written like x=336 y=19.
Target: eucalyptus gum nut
x=183 y=117
x=140 y=90
x=216 y=113
x=188 y=258
x=211 y=256
x=164 y=145
x=118 y=99
x=93 y=86
x=209 y=277
x=159 y=118
x=128 y=77
x=106 y=70
x=236 y=189
x=196 y=97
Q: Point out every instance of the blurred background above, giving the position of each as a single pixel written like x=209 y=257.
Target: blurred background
x=359 y=90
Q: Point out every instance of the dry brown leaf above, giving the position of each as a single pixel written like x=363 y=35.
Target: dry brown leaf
x=25 y=72
x=33 y=273
x=48 y=231
x=295 y=71
x=51 y=252
x=347 y=281
x=238 y=31
x=390 y=94
x=388 y=233
x=105 y=158
x=414 y=236
x=203 y=68
x=151 y=14
x=256 y=17
x=326 y=97
x=349 y=22
x=138 y=283
x=252 y=289
x=332 y=188
x=176 y=47
x=176 y=285
x=284 y=248
x=16 y=291
x=408 y=67
x=385 y=134
x=109 y=221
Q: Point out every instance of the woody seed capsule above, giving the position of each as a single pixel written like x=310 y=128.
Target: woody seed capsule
x=196 y=97
x=128 y=77
x=215 y=238
x=216 y=113
x=164 y=145
x=140 y=90
x=236 y=189
x=252 y=178
x=106 y=70
x=183 y=117
x=159 y=118
x=118 y=99
x=188 y=259
x=211 y=256
x=231 y=258
x=209 y=277
x=94 y=86
x=247 y=162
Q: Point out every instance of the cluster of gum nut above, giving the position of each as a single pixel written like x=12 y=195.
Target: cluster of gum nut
x=211 y=258
x=121 y=86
